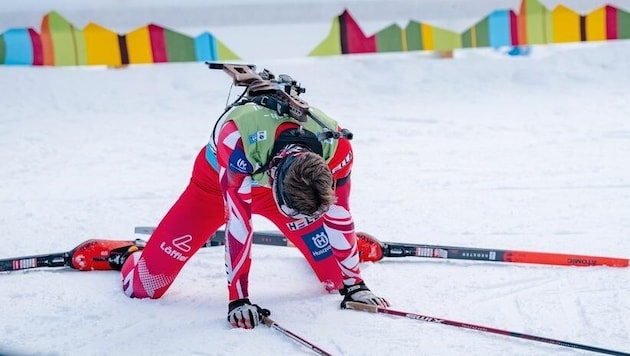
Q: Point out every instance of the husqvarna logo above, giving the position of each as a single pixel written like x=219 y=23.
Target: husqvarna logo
x=320 y=240
x=318 y=243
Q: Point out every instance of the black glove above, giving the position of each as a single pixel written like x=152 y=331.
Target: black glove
x=360 y=293
x=243 y=314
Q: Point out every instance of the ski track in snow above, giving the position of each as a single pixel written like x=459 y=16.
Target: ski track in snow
x=482 y=151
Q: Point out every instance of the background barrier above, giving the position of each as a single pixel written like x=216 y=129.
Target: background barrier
x=60 y=43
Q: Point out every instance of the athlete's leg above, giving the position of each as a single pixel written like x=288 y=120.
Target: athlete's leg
x=308 y=235
x=196 y=215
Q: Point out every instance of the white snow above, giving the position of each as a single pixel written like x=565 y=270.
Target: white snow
x=486 y=150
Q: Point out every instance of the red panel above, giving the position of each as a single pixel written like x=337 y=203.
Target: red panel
x=514 y=28
x=611 y=23
x=158 y=44
x=355 y=39
x=38 y=51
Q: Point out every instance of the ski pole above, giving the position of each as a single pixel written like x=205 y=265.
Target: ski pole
x=377 y=309
x=300 y=340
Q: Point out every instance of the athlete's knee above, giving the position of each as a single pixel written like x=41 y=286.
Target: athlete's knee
x=139 y=282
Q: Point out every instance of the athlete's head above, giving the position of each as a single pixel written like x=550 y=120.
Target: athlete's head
x=303 y=185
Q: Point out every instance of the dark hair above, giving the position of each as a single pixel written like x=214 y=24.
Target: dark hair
x=308 y=184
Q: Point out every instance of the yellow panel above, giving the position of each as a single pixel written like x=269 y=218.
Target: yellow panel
x=596 y=25
x=101 y=45
x=427 y=37
x=403 y=33
x=139 y=46
x=566 y=25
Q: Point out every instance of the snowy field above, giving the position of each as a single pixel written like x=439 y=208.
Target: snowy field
x=487 y=150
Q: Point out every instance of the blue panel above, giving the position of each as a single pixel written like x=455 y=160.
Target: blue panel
x=205 y=47
x=499 y=28
x=18 y=47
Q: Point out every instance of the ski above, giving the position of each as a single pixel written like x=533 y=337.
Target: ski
x=394 y=249
x=431 y=319
x=373 y=250
x=90 y=255
x=104 y=254
x=59 y=259
x=101 y=254
x=271 y=238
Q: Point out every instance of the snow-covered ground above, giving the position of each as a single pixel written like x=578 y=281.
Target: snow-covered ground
x=527 y=153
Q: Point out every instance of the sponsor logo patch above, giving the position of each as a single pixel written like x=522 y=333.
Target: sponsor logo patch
x=173 y=252
x=257 y=136
x=179 y=244
x=239 y=163
x=182 y=243
x=318 y=243
x=343 y=163
x=301 y=223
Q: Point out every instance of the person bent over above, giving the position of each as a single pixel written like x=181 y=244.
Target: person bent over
x=293 y=170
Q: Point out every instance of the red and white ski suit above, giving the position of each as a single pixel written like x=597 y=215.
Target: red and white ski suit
x=223 y=196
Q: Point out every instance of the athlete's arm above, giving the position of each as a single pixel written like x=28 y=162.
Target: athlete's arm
x=235 y=181
x=338 y=221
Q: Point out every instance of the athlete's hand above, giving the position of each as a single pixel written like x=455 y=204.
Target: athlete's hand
x=243 y=314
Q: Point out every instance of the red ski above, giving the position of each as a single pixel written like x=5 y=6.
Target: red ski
x=91 y=255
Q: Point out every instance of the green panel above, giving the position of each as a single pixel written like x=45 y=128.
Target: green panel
x=81 y=49
x=414 y=36
x=467 y=39
x=483 y=33
x=332 y=44
x=389 y=39
x=2 y=49
x=623 y=24
x=446 y=40
x=62 y=33
x=224 y=53
x=538 y=19
x=180 y=48
x=548 y=27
